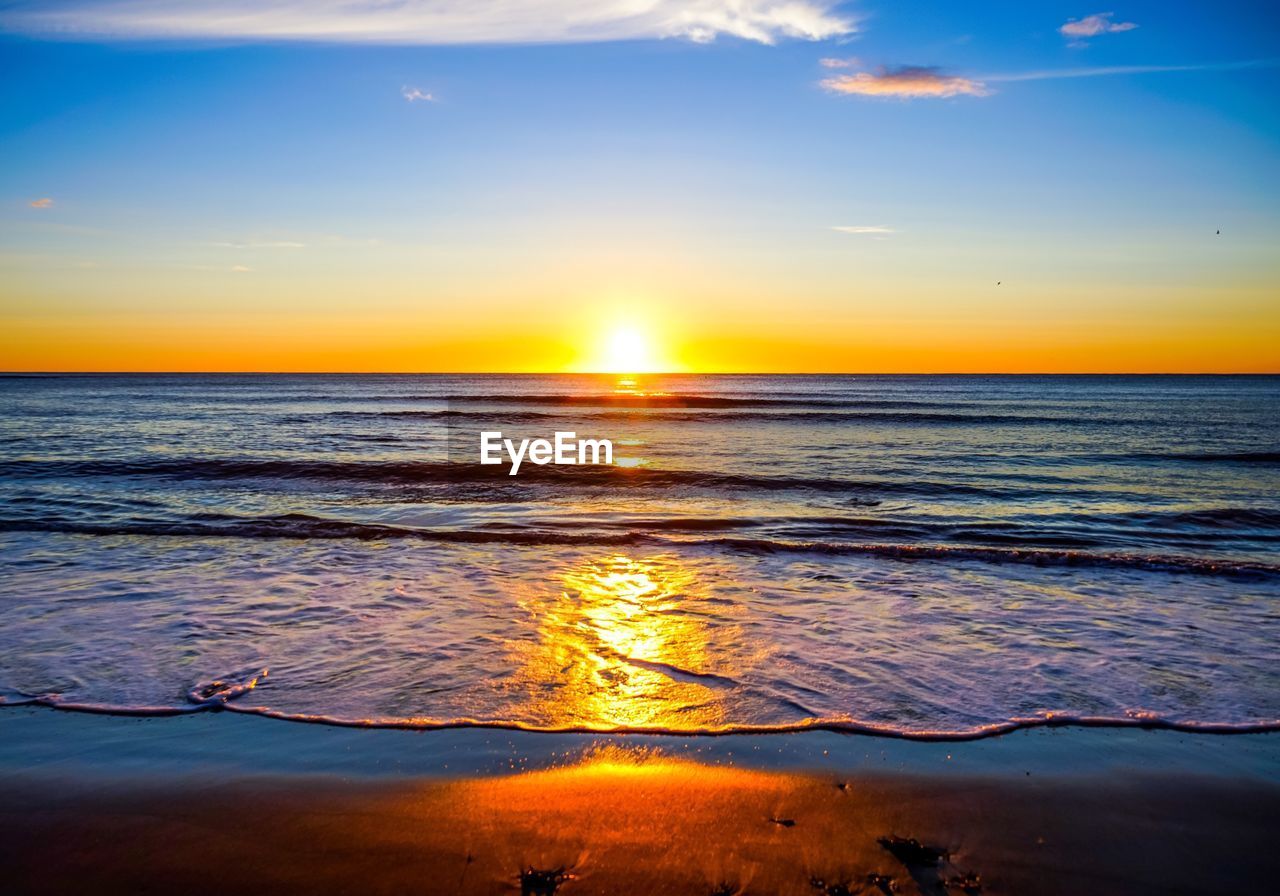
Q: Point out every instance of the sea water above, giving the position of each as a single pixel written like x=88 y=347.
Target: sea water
x=924 y=556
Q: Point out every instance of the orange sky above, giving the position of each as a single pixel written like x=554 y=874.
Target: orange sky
x=1240 y=339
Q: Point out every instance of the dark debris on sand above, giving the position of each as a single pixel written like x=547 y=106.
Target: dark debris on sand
x=910 y=851
x=882 y=882
x=926 y=865
x=968 y=883
x=536 y=882
x=835 y=888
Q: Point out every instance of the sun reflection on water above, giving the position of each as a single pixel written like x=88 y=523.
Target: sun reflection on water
x=615 y=649
x=627 y=387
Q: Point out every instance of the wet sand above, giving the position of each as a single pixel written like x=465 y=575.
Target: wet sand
x=621 y=815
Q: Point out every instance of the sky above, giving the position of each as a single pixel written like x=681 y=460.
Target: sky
x=715 y=185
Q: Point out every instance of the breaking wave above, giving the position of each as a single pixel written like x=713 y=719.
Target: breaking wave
x=220 y=695
x=302 y=526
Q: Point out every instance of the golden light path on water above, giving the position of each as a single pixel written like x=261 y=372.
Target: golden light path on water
x=614 y=648
x=629 y=386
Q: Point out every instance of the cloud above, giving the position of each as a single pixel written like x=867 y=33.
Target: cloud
x=864 y=229
x=433 y=21
x=910 y=82
x=1053 y=74
x=1092 y=26
x=414 y=94
x=907 y=82
x=240 y=269
x=838 y=63
x=44 y=202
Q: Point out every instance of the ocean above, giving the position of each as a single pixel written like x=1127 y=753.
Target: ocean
x=919 y=556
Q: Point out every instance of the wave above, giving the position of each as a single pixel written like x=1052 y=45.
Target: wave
x=1172 y=563
x=443 y=472
x=220 y=696
x=560 y=399
x=657 y=400
x=704 y=414
x=1238 y=457
x=201 y=697
x=1209 y=518
x=303 y=526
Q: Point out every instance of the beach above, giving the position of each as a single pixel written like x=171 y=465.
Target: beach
x=217 y=803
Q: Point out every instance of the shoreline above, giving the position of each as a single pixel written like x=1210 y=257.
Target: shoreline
x=219 y=702
x=249 y=742
x=226 y=802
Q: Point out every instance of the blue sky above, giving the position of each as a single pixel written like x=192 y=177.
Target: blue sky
x=678 y=165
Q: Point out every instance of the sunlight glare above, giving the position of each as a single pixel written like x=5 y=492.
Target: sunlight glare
x=627 y=351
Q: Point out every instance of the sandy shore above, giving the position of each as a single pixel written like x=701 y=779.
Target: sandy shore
x=772 y=815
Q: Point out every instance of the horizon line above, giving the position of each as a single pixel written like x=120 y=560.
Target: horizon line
x=40 y=373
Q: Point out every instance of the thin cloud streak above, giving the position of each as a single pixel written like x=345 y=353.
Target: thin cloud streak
x=44 y=202
x=1112 y=70
x=863 y=229
x=916 y=82
x=433 y=22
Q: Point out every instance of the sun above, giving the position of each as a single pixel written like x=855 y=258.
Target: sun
x=626 y=344
x=626 y=348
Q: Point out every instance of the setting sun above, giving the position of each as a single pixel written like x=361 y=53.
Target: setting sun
x=626 y=348
x=627 y=351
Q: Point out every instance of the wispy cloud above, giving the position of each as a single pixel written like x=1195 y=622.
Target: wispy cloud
x=434 y=21
x=911 y=82
x=1092 y=26
x=240 y=269
x=1116 y=70
x=415 y=95
x=864 y=229
x=839 y=63
x=906 y=82
x=43 y=202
